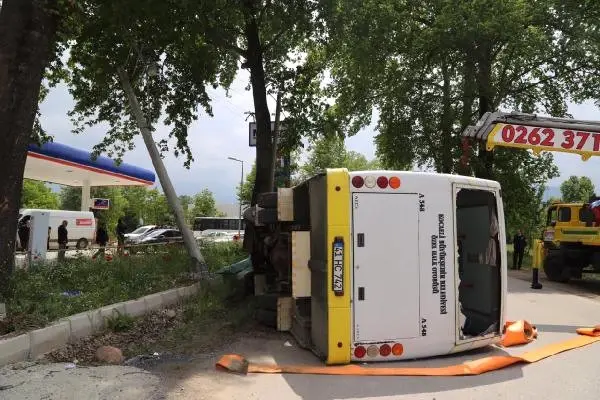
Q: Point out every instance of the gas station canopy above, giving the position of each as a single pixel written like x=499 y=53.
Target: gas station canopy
x=65 y=165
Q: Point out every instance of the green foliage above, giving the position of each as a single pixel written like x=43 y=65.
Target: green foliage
x=139 y=203
x=430 y=68
x=577 y=189
x=331 y=152
x=205 y=205
x=245 y=192
x=119 y=322
x=164 y=49
x=37 y=195
x=37 y=295
x=523 y=179
x=70 y=199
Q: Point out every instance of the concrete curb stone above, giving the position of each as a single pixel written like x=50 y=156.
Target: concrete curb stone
x=36 y=343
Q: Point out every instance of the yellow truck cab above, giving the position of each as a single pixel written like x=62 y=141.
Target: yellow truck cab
x=384 y=265
x=571 y=241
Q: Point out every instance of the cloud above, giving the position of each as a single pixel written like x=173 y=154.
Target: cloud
x=212 y=140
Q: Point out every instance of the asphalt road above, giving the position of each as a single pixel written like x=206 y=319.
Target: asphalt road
x=557 y=314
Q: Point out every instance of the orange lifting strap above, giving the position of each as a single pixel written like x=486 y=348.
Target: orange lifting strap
x=519 y=332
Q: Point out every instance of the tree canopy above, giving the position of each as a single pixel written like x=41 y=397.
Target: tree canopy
x=37 y=195
x=577 y=189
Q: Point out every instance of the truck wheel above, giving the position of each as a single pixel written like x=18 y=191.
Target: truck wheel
x=267 y=200
x=596 y=261
x=555 y=268
x=82 y=243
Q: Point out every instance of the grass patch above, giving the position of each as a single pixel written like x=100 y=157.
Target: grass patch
x=527 y=258
x=42 y=295
x=205 y=321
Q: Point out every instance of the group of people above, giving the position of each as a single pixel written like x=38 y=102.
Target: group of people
x=102 y=237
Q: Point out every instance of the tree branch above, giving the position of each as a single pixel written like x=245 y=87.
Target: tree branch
x=275 y=38
x=522 y=89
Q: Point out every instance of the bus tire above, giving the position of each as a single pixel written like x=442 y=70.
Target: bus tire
x=267 y=317
x=267 y=200
x=267 y=216
x=82 y=244
x=267 y=302
x=555 y=267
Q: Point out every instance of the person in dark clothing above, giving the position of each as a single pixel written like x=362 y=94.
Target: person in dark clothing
x=63 y=239
x=121 y=235
x=48 y=241
x=101 y=239
x=519 y=244
x=24 y=229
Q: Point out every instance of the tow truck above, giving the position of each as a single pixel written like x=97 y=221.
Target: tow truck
x=571 y=238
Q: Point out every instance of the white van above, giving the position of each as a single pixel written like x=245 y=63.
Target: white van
x=81 y=226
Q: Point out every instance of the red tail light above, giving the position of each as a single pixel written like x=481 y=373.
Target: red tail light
x=360 y=352
x=385 y=350
x=382 y=182
x=358 y=181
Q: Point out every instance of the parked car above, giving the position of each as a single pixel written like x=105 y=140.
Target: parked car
x=160 y=236
x=141 y=231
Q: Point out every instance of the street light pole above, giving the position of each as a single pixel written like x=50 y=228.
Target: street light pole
x=241 y=184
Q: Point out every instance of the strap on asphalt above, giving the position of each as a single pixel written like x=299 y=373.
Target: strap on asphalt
x=516 y=333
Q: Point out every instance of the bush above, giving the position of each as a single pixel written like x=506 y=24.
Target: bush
x=53 y=291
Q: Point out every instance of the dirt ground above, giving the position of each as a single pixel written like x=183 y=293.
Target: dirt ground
x=162 y=351
x=172 y=355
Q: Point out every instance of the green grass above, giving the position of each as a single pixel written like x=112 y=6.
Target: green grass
x=37 y=295
x=527 y=258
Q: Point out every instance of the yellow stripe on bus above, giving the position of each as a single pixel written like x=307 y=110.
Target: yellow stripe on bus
x=338 y=226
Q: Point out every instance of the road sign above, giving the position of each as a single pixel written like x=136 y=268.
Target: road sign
x=100 y=204
x=252 y=131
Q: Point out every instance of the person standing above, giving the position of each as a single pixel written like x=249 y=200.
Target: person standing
x=24 y=229
x=120 y=235
x=101 y=239
x=63 y=239
x=519 y=244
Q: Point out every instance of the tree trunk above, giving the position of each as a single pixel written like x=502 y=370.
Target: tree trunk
x=484 y=88
x=446 y=121
x=276 y=132
x=468 y=98
x=27 y=36
x=264 y=142
x=191 y=245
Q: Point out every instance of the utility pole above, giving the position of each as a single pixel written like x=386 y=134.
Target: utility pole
x=189 y=241
x=241 y=185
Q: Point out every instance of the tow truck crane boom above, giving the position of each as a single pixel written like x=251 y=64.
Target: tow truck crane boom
x=571 y=238
x=537 y=133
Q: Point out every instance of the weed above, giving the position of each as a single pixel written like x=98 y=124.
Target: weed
x=119 y=322
x=38 y=296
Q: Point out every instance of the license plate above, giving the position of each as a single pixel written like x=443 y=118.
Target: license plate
x=337 y=276
x=549 y=236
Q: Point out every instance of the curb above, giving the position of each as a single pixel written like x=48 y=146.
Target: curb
x=34 y=344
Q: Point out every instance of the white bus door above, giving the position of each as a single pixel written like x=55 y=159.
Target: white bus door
x=386 y=266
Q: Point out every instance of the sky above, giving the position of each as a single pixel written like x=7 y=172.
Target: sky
x=214 y=139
